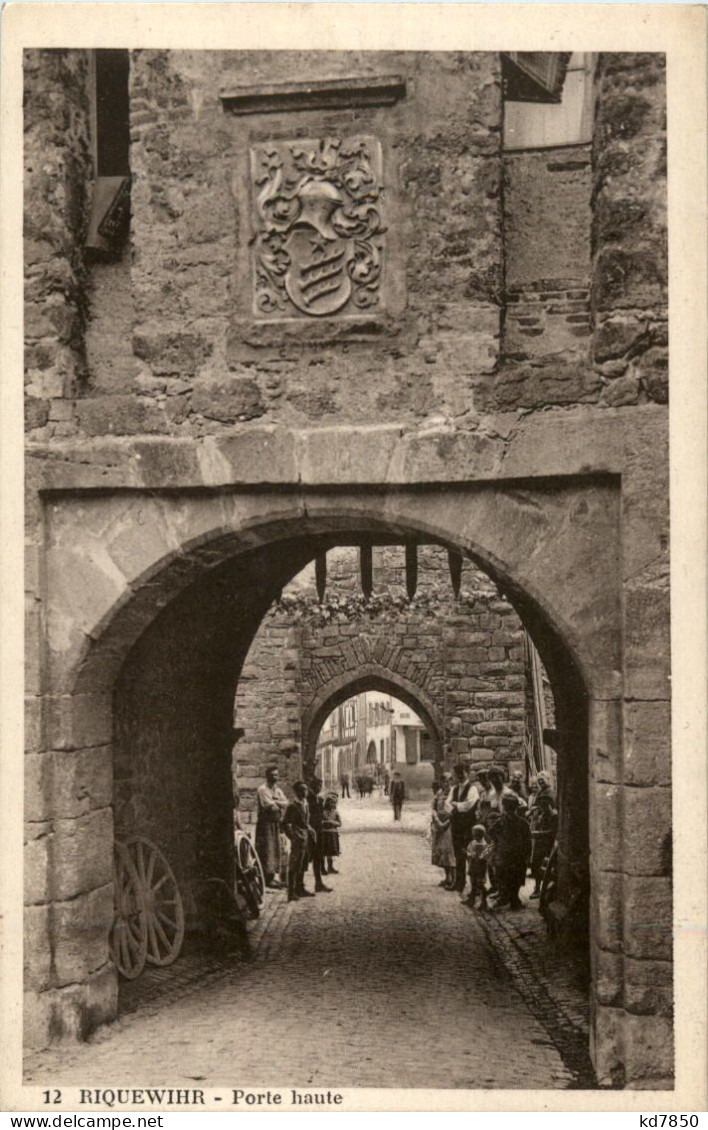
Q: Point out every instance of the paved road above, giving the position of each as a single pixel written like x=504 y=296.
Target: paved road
x=388 y=981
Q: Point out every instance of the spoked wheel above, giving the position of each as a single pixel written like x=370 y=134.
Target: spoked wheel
x=250 y=880
x=129 y=934
x=164 y=912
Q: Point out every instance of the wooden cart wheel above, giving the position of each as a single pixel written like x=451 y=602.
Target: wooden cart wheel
x=250 y=879
x=129 y=933
x=164 y=912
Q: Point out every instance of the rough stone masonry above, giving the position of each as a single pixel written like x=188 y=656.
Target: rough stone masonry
x=340 y=317
x=462 y=660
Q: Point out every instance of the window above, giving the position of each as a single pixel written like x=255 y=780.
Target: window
x=565 y=120
x=110 y=206
x=112 y=114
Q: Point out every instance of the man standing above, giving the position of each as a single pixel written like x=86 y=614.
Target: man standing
x=316 y=807
x=397 y=794
x=344 y=782
x=512 y=840
x=296 y=825
x=271 y=803
x=461 y=806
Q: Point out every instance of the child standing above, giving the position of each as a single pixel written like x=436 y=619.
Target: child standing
x=331 y=823
x=477 y=851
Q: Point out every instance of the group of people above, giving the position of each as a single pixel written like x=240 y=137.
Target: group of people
x=374 y=776
x=294 y=835
x=492 y=831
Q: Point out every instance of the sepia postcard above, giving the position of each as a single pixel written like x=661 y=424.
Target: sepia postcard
x=360 y=672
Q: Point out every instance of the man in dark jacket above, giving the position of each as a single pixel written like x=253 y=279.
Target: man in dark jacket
x=512 y=840
x=316 y=805
x=397 y=794
x=297 y=827
x=462 y=806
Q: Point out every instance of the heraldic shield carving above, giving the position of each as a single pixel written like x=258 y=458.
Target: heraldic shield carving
x=319 y=236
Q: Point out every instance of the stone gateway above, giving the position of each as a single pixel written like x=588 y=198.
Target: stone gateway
x=361 y=300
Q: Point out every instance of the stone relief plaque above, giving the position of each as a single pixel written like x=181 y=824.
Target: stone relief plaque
x=318 y=244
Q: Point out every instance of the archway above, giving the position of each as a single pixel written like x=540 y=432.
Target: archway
x=368 y=677
x=156 y=676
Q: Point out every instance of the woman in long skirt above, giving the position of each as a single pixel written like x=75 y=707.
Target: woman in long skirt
x=442 y=852
x=329 y=833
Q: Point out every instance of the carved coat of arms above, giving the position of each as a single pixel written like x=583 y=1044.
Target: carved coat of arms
x=319 y=234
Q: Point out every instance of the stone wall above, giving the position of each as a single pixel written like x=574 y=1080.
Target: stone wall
x=188 y=431
x=463 y=657
x=175 y=348
x=629 y=302
x=58 y=170
x=547 y=260
x=629 y=232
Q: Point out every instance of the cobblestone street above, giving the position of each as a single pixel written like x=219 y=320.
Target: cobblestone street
x=388 y=981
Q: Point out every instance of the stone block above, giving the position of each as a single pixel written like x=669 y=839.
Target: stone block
x=621 y=392
x=606 y=826
x=36 y=413
x=80 y=930
x=498 y=698
x=36 y=1020
x=84 y=586
x=172 y=353
x=37 y=949
x=81 y=780
x=120 y=416
x=649 y=987
x=606 y=740
x=607 y=1047
x=37 y=863
x=647 y=743
x=78 y=721
x=617 y=335
x=82 y=854
x=68 y=1014
x=478 y=754
x=33 y=647
x=607 y=976
x=540 y=385
x=228 y=401
x=496 y=729
x=33 y=724
x=630 y=276
x=346 y=455
x=647 y=651
x=101 y=998
x=35 y=787
x=606 y=894
x=647 y=831
x=165 y=460
x=648 y=918
x=649 y=1051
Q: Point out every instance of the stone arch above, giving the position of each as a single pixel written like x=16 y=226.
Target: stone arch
x=186 y=598
x=365 y=677
x=482 y=521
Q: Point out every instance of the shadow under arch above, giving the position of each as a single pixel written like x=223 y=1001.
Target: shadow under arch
x=367 y=677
